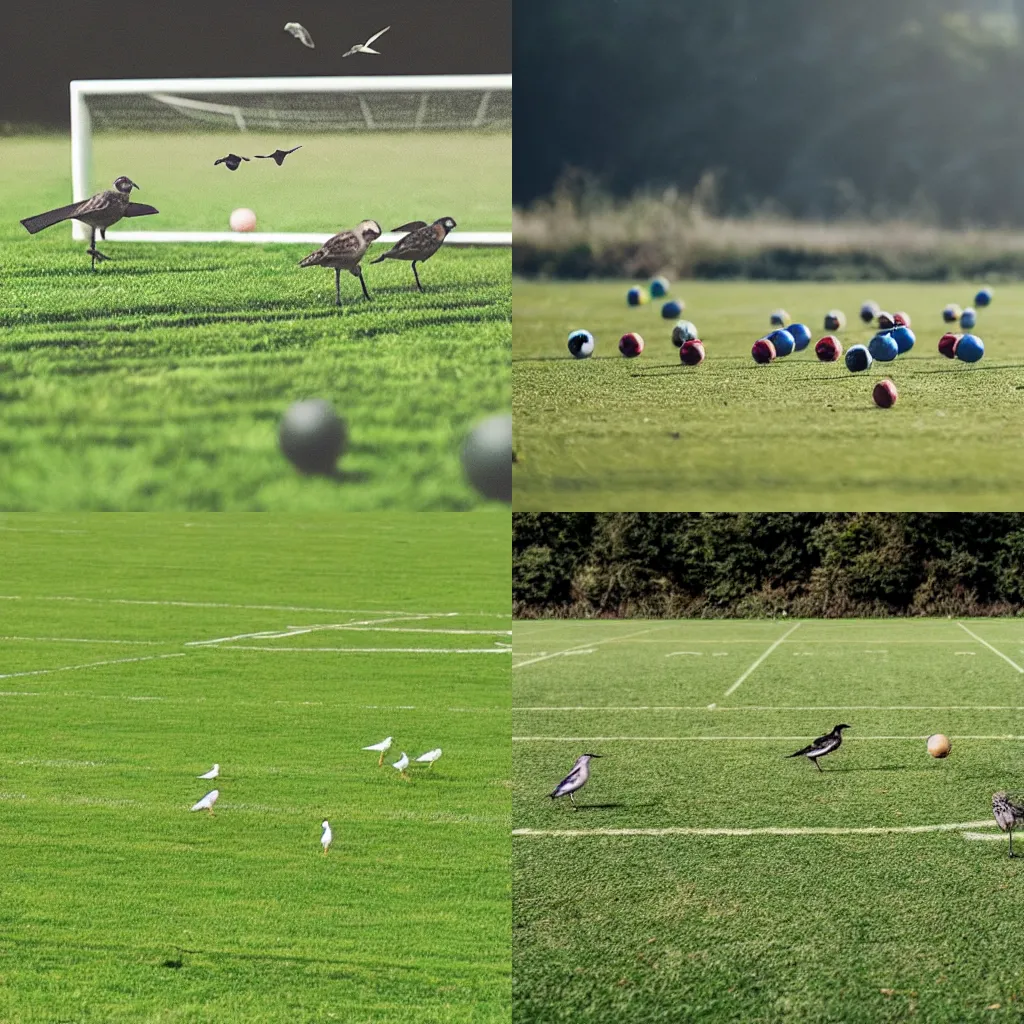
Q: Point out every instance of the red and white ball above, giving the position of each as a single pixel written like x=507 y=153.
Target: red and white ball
x=242 y=219
x=631 y=345
x=691 y=353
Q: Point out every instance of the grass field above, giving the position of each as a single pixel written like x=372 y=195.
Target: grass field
x=117 y=904
x=624 y=435
x=636 y=908
x=158 y=382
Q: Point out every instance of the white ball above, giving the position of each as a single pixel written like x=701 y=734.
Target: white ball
x=682 y=332
x=242 y=219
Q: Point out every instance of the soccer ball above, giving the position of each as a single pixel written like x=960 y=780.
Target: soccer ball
x=938 y=745
x=581 y=344
x=682 y=332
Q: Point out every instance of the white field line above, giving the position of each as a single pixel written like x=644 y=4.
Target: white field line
x=736 y=685
x=364 y=650
x=676 y=654
x=20 y=693
x=984 y=835
x=243 y=607
x=991 y=648
x=865 y=640
x=86 y=640
x=738 y=739
x=868 y=830
x=276 y=634
x=91 y=664
x=410 y=629
x=789 y=707
x=581 y=647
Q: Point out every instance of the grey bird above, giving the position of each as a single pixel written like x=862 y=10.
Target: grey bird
x=575 y=780
x=99 y=212
x=823 y=745
x=300 y=33
x=233 y=161
x=345 y=251
x=1009 y=813
x=422 y=241
x=365 y=47
x=277 y=156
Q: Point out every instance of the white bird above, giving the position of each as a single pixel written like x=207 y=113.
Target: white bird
x=430 y=756
x=206 y=804
x=384 y=746
x=575 y=780
x=211 y=774
x=327 y=837
x=300 y=33
x=365 y=47
x=401 y=764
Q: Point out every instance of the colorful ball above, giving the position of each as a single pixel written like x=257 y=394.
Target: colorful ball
x=659 y=287
x=951 y=313
x=835 y=320
x=869 y=310
x=883 y=347
x=970 y=348
x=801 y=336
x=783 y=341
x=885 y=394
x=968 y=318
x=984 y=297
x=904 y=338
x=779 y=318
x=683 y=331
x=763 y=351
x=671 y=309
x=947 y=345
x=828 y=349
x=857 y=358
x=901 y=319
x=636 y=296
x=581 y=344
x=691 y=353
x=885 y=321
x=631 y=345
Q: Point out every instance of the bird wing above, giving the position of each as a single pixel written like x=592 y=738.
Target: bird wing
x=100 y=201
x=568 y=784
x=287 y=151
x=222 y=160
x=140 y=210
x=45 y=220
x=264 y=156
x=413 y=225
x=804 y=750
x=377 y=36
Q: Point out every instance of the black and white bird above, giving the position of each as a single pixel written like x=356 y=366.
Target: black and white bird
x=99 y=212
x=823 y=745
x=365 y=47
x=575 y=780
x=345 y=251
x=277 y=156
x=1009 y=813
x=300 y=33
x=233 y=161
x=422 y=241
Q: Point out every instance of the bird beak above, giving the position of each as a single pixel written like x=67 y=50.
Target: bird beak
x=133 y=185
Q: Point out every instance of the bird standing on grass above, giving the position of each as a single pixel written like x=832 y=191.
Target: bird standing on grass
x=99 y=212
x=206 y=804
x=211 y=774
x=365 y=47
x=420 y=244
x=383 y=747
x=345 y=251
x=822 y=745
x=401 y=764
x=1009 y=813
x=327 y=838
x=429 y=757
x=575 y=780
x=277 y=156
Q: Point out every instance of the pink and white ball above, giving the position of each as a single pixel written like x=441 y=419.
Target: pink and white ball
x=242 y=219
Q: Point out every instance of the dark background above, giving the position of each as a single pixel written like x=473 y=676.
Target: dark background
x=47 y=43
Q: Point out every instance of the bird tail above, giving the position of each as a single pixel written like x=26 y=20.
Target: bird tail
x=313 y=259
x=51 y=217
x=799 y=753
x=140 y=210
x=384 y=256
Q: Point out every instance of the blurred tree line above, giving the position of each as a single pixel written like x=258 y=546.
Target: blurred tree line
x=694 y=564
x=866 y=109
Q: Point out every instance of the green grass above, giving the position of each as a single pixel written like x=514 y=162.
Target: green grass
x=158 y=382
x=117 y=904
x=855 y=927
x=623 y=435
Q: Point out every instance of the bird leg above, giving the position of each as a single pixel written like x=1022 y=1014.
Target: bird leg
x=381 y=761
x=337 y=286
x=363 y=283
x=93 y=251
x=573 y=800
x=1012 y=854
x=325 y=851
x=816 y=765
x=417 y=276
x=406 y=777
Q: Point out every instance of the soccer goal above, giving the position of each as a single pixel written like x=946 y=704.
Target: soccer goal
x=393 y=149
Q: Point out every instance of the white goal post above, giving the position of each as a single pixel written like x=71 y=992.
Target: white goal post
x=413 y=104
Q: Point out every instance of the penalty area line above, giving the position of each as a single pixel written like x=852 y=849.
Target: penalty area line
x=867 y=830
x=736 y=685
x=91 y=664
x=994 y=650
x=583 y=647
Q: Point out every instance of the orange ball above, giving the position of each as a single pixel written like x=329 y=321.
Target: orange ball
x=938 y=745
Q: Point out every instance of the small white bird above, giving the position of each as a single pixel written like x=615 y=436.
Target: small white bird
x=327 y=837
x=211 y=774
x=206 y=804
x=365 y=47
x=430 y=756
x=575 y=780
x=300 y=33
x=401 y=764
x=384 y=746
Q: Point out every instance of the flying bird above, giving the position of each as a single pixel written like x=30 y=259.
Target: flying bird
x=233 y=160
x=575 y=780
x=401 y=764
x=384 y=746
x=1009 y=813
x=211 y=774
x=98 y=212
x=365 y=47
x=327 y=838
x=822 y=745
x=278 y=155
x=300 y=33
x=206 y=804
x=430 y=756
x=422 y=241
x=344 y=251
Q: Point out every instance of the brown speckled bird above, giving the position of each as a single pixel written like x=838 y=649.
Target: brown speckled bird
x=420 y=244
x=344 y=251
x=99 y=212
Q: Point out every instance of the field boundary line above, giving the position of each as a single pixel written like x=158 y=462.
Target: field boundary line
x=91 y=664
x=994 y=650
x=786 y=707
x=738 y=739
x=788 y=633
x=770 y=830
x=583 y=647
x=277 y=634
x=243 y=607
x=86 y=640
x=362 y=650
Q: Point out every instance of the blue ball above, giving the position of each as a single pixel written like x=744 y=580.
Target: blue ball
x=671 y=309
x=635 y=296
x=883 y=347
x=970 y=348
x=984 y=297
x=801 y=335
x=857 y=358
x=659 y=288
x=968 y=318
x=783 y=341
x=904 y=338
x=581 y=344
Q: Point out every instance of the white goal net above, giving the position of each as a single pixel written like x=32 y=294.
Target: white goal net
x=392 y=149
